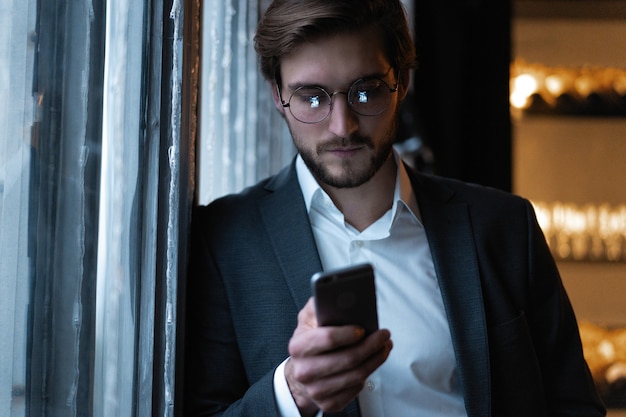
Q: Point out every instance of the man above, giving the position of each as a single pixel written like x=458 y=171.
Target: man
x=474 y=319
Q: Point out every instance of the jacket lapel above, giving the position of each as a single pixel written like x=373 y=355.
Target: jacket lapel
x=283 y=211
x=449 y=233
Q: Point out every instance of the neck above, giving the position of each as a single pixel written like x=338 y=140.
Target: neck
x=363 y=205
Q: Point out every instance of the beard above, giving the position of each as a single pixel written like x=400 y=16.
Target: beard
x=351 y=175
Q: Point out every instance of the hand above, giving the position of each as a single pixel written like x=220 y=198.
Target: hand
x=329 y=365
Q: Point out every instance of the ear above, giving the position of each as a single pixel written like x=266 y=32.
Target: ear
x=404 y=80
x=275 y=95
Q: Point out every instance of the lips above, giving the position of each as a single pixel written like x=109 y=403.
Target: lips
x=344 y=146
x=346 y=149
x=345 y=152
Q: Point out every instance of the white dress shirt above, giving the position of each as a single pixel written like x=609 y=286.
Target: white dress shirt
x=420 y=377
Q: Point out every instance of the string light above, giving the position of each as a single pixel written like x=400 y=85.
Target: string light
x=584 y=233
x=537 y=88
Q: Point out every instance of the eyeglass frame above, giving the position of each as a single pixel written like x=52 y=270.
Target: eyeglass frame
x=287 y=104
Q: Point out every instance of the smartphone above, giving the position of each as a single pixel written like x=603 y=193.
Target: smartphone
x=346 y=296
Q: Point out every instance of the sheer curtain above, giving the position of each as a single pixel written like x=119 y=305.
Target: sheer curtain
x=242 y=136
x=94 y=186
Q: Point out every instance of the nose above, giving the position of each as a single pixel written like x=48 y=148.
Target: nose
x=343 y=121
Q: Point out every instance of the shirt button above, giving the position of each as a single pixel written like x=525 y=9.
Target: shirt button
x=370 y=385
x=358 y=243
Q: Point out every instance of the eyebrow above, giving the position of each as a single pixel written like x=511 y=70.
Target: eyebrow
x=294 y=86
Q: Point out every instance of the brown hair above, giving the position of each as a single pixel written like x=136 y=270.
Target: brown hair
x=288 y=23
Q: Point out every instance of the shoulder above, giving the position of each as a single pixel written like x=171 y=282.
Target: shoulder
x=228 y=211
x=488 y=210
x=253 y=194
x=449 y=190
x=241 y=209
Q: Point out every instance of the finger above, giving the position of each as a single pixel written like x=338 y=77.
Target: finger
x=323 y=339
x=307 y=317
x=312 y=368
x=336 y=391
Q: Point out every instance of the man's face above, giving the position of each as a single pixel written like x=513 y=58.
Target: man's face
x=345 y=149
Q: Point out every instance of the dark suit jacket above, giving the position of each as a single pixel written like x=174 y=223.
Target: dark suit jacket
x=514 y=334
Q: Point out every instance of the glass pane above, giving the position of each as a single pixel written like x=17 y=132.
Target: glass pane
x=119 y=235
x=88 y=251
x=77 y=214
x=63 y=203
x=17 y=18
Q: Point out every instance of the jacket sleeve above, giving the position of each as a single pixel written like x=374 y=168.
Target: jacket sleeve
x=568 y=384
x=535 y=354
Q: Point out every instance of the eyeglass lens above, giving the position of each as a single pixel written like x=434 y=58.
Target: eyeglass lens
x=368 y=97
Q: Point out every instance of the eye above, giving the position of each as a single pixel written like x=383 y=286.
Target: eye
x=314 y=101
x=311 y=97
x=365 y=91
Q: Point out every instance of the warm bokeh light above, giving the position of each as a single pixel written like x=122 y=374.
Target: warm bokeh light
x=584 y=85
x=550 y=84
x=524 y=85
x=589 y=232
x=555 y=85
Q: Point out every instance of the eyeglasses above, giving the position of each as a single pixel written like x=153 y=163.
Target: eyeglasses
x=367 y=96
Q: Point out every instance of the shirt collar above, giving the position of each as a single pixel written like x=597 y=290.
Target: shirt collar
x=403 y=194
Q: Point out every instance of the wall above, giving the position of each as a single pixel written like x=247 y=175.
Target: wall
x=575 y=159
